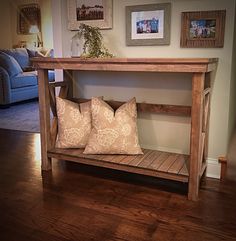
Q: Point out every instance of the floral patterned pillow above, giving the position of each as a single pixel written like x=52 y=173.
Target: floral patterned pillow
x=113 y=133
x=74 y=123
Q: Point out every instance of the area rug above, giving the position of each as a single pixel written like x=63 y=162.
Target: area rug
x=23 y=117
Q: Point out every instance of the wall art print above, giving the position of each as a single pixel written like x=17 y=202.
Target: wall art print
x=148 y=24
x=96 y=13
x=203 y=29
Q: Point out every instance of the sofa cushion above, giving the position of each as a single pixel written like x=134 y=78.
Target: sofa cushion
x=10 y=64
x=20 y=55
x=24 y=79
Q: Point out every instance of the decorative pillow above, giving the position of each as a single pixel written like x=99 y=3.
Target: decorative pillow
x=34 y=53
x=31 y=53
x=20 y=55
x=113 y=133
x=74 y=123
x=10 y=64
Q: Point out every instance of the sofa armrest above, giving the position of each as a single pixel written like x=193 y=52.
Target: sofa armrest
x=5 y=87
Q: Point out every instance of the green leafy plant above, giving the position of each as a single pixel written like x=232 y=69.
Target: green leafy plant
x=93 y=42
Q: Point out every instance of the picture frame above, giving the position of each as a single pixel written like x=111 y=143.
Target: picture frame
x=28 y=15
x=148 y=24
x=96 y=13
x=203 y=29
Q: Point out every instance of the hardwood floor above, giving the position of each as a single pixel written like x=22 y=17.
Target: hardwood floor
x=78 y=202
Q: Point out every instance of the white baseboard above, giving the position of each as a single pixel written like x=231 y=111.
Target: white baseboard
x=213 y=168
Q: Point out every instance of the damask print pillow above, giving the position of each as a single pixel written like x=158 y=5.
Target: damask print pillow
x=74 y=123
x=113 y=133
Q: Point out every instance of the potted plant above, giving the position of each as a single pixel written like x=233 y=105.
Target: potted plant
x=92 y=41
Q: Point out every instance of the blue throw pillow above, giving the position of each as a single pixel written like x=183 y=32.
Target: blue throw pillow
x=10 y=64
x=20 y=55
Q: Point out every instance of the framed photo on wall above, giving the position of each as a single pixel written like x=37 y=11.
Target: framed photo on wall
x=203 y=29
x=96 y=13
x=148 y=24
x=28 y=15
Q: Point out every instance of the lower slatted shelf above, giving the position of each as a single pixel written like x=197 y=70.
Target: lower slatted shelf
x=152 y=163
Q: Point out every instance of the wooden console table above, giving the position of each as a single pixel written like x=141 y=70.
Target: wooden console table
x=184 y=168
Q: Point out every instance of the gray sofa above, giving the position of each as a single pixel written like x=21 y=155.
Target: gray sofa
x=18 y=79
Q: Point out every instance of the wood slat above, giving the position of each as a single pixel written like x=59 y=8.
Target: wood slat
x=184 y=170
x=69 y=79
x=207 y=91
x=178 y=164
x=159 y=160
x=149 y=159
x=202 y=146
x=167 y=163
x=147 y=107
x=128 y=159
x=118 y=158
x=206 y=111
x=111 y=158
x=52 y=100
x=63 y=92
x=58 y=84
x=107 y=157
x=71 y=151
x=139 y=158
x=54 y=129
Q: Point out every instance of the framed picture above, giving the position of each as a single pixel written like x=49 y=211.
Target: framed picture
x=148 y=24
x=204 y=29
x=28 y=16
x=96 y=13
